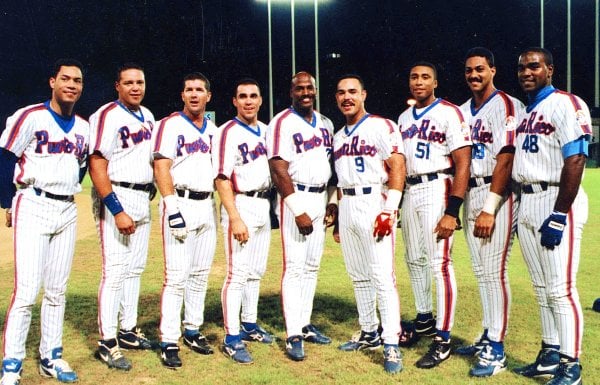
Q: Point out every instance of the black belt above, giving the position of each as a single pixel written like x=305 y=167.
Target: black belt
x=193 y=195
x=64 y=198
x=422 y=178
x=257 y=194
x=135 y=186
x=474 y=182
x=536 y=187
x=357 y=191
x=312 y=189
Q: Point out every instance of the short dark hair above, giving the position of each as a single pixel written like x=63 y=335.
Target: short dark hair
x=423 y=63
x=128 y=66
x=351 y=76
x=196 y=76
x=243 y=82
x=65 y=62
x=481 y=52
x=543 y=51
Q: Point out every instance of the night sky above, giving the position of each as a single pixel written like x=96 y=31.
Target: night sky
x=227 y=39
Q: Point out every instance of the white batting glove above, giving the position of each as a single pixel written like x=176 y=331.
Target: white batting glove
x=176 y=221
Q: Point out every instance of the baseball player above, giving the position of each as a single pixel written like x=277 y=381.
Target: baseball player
x=551 y=149
x=437 y=145
x=369 y=164
x=299 y=150
x=242 y=177
x=48 y=145
x=182 y=147
x=490 y=209
x=121 y=171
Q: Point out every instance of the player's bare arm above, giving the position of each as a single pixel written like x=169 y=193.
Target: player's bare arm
x=162 y=175
x=285 y=186
x=462 y=161
x=570 y=180
x=397 y=171
x=101 y=181
x=236 y=224
x=485 y=221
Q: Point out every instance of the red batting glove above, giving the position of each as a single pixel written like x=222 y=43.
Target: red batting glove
x=384 y=224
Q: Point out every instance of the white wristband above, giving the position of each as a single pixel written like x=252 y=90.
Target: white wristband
x=491 y=203
x=295 y=204
x=393 y=200
x=171 y=204
x=332 y=192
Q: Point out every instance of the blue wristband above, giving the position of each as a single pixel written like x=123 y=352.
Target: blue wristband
x=112 y=203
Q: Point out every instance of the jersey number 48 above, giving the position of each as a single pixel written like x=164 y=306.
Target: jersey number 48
x=530 y=144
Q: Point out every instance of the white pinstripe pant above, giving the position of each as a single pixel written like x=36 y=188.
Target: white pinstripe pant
x=246 y=264
x=422 y=208
x=554 y=272
x=187 y=266
x=44 y=240
x=490 y=257
x=370 y=264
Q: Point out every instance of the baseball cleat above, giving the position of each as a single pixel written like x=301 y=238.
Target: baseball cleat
x=425 y=328
x=546 y=364
x=490 y=363
x=408 y=335
x=57 y=367
x=169 y=355
x=197 y=342
x=439 y=351
x=11 y=371
x=362 y=341
x=568 y=373
x=311 y=334
x=133 y=339
x=475 y=349
x=237 y=352
x=258 y=334
x=109 y=352
x=392 y=359
x=294 y=348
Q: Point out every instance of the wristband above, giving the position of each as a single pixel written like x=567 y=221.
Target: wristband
x=294 y=203
x=453 y=207
x=393 y=200
x=112 y=203
x=332 y=192
x=171 y=204
x=491 y=203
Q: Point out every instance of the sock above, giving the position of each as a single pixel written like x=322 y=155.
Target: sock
x=498 y=347
x=249 y=326
x=445 y=334
x=424 y=316
x=232 y=340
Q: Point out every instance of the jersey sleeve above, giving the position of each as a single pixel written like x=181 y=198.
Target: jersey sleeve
x=103 y=138
x=457 y=131
x=164 y=145
x=571 y=119
x=279 y=139
x=504 y=121
x=223 y=150
x=386 y=142
x=19 y=132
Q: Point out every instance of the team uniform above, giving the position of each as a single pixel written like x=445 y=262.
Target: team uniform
x=359 y=152
x=492 y=129
x=187 y=262
x=307 y=148
x=51 y=151
x=123 y=138
x=544 y=133
x=240 y=154
x=430 y=135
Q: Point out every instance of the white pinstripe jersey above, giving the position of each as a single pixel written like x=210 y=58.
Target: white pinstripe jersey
x=359 y=152
x=492 y=128
x=543 y=129
x=240 y=154
x=189 y=147
x=123 y=138
x=51 y=149
x=430 y=136
x=305 y=146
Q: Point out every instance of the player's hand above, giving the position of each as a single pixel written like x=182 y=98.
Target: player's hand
x=385 y=223
x=177 y=226
x=8 y=218
x=331 y=214
x=125 y=224
x=239 y=230
x=304 y=224
x=446 y=226
x=336 y=232
x=484 y=225
x=552 y=229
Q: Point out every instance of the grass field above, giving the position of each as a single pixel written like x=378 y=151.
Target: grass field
x=334 y=313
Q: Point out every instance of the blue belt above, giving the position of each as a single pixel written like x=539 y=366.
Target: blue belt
x=193 y=195
x=312 y=189
x=64 y=198
x=357 y=191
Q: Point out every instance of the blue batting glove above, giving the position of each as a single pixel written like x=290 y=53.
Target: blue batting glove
x=177 y=226
x=552 y=229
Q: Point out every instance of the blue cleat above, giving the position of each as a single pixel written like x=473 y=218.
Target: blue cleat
x=294 y=348
x=311 y=334
x=237 y=352
x=490 y=363
x=392 y=359
x=568 y=373
x=473 y=350
x=258 y=334
x=11 y=371
x=57 y=367
x=546 y=364
x=362 y=341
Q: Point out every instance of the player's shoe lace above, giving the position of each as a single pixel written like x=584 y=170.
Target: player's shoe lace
x=568 y=373
x=133 y=339
x=197 y=342
x=362 y=340
x=490 y=363
x=237 y=352
x=313 y=335
x=474 y=349
x=439 y=351
x=546 y=364
x=56 y=367
x=109 y=352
